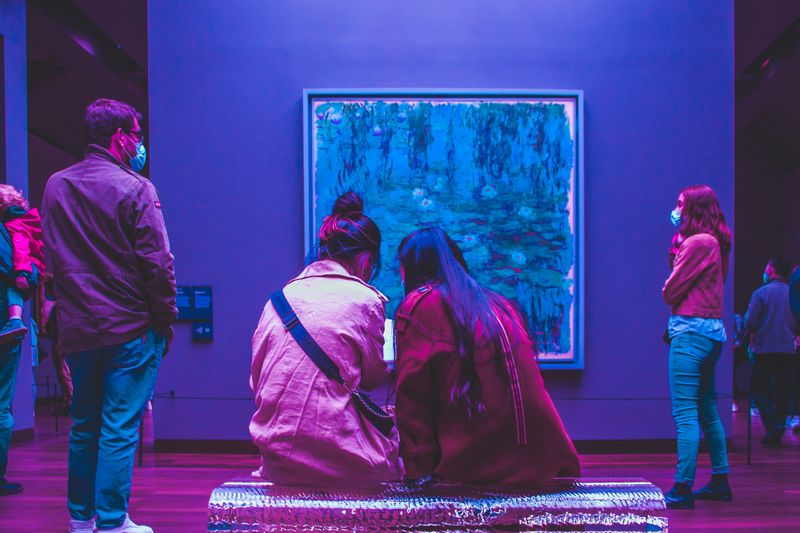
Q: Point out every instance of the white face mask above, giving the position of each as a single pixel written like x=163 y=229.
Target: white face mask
x=675 y=217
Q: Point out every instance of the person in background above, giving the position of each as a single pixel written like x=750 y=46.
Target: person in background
x=10 y=298
x=471 y=402
x=699 y=258
x=794 y=302
x=113 y=272
x=774 y=328
x=794 y=293
x=306 y=426
x=24 y=226
x=793 y=418
x=45 y=312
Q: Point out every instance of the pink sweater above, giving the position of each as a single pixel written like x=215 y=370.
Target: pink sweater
x=695 y=286
x=305 y=425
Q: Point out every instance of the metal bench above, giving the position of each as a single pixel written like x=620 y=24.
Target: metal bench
x=247 y=504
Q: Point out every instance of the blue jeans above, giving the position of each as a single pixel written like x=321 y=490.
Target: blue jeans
x=692 y=361
x=9 y=363
x=112 y=386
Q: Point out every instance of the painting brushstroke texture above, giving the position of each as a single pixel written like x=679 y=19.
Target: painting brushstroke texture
x=498 y=173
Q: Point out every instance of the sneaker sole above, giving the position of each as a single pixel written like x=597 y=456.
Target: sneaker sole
x=681 y=505
x=10 y=492
x=11 y=336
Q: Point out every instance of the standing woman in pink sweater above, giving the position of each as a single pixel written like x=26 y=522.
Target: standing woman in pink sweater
x=699 y=259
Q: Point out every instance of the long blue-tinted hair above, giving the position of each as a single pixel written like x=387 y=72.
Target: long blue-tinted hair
x=429 y=255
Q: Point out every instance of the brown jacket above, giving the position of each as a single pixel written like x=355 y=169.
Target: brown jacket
x=436 y=438
x=695 y=286
x=108 y=250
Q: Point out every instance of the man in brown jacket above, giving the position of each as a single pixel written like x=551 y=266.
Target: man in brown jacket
x=114 y=281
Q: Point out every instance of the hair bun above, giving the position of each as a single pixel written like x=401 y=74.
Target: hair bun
x=349 y=204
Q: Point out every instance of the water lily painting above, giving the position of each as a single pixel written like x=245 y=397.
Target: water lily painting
x=500 y=171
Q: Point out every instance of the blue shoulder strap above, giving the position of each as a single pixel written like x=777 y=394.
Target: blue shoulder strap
x=293 y=325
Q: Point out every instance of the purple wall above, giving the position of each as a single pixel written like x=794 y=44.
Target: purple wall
x=226 y=81
x=12 y=27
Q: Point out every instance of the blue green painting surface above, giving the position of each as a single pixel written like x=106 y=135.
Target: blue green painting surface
x=497 y=176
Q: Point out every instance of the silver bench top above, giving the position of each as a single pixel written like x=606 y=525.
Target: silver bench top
x=247 y=504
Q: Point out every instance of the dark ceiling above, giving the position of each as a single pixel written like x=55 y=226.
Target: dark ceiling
x=767 y=63
x=80 y=50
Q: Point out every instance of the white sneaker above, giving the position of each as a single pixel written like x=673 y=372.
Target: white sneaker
x=81 y=526
x=128 y=526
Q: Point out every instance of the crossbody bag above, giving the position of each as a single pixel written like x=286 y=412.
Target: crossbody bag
x=376 y=416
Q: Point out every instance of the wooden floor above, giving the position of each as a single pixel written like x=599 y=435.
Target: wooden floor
x=171 y=491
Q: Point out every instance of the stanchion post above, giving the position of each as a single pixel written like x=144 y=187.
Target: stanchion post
x=141 y=442
x=58 y=404
x=749 y=429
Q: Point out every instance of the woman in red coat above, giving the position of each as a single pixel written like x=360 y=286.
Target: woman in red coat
x=471 y=404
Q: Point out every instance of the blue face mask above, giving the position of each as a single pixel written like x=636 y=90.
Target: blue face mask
x=766 y=278
x=137 y=162
x=675 y=217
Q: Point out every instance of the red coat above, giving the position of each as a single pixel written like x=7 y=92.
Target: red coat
x=437 y=439
x=26 y=238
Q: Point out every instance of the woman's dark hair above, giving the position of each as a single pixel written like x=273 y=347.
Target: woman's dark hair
x=430 y=256
x=351 y=238
x=104 y=117
x=702 y=213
